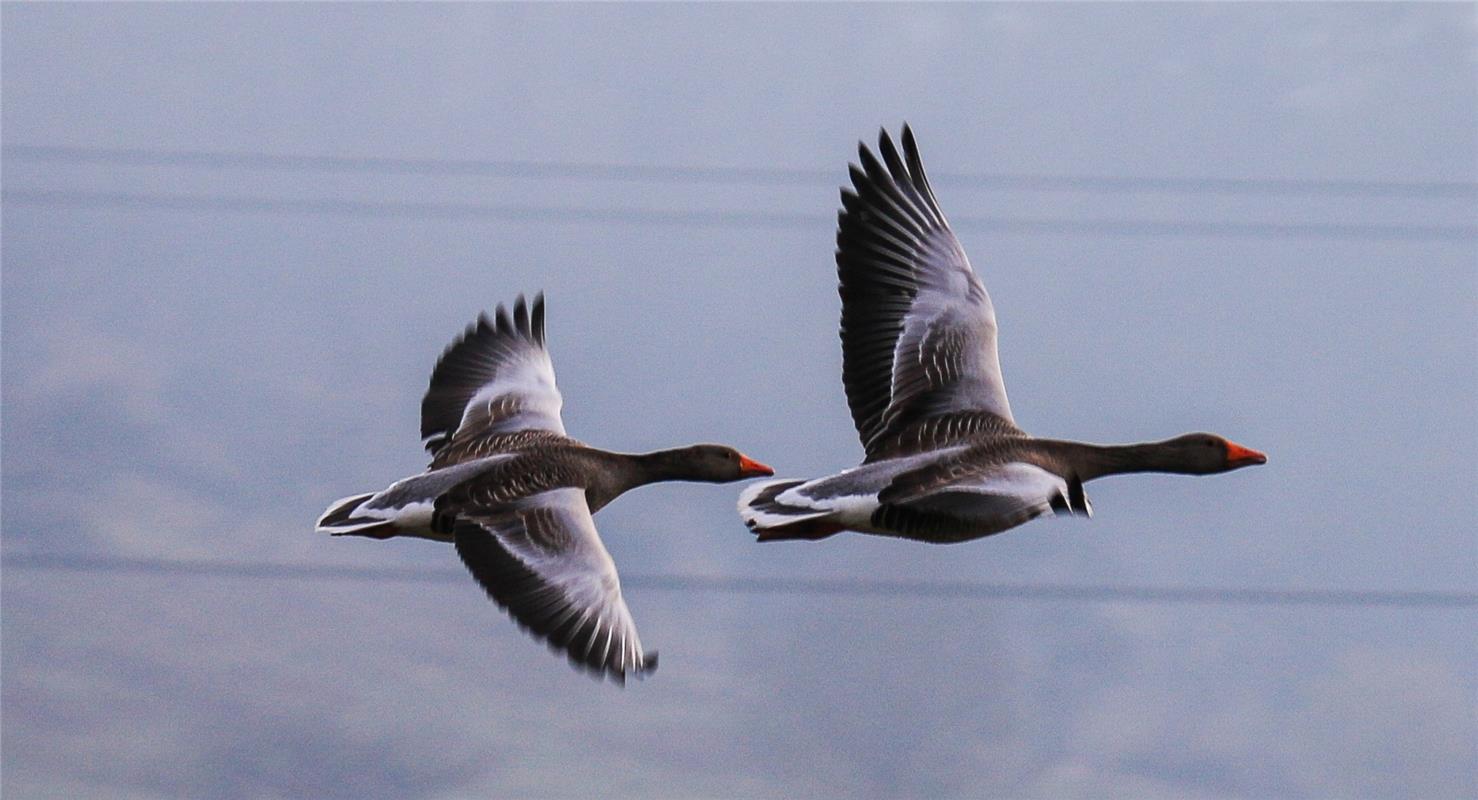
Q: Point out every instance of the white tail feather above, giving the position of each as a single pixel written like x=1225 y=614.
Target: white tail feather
x=760 y=508
x=339 y=512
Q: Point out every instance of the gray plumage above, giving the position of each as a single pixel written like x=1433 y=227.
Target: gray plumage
x=944 y=459
x=515 y=494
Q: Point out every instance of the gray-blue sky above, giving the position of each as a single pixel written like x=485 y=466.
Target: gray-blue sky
x=200 y=383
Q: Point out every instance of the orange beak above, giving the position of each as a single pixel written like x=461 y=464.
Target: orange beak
x=1239 y=456
x=749 y=468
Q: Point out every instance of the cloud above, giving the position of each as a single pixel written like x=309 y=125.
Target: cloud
x=200 y=384
x=1226 y=712
x=1385 y=723
x=173 y=687
x=78 y=360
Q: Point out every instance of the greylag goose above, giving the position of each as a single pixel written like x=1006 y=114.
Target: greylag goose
x=515 y=495
x=944 y=460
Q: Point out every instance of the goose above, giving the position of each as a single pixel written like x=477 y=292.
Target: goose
x=944 y=460
x=515 y=494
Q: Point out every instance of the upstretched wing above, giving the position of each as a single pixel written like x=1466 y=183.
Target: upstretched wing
x=542 y=561
x=918 y=329
x=497 y=378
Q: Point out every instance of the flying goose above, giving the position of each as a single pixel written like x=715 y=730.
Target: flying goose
x=515 y=494
x=944 y=459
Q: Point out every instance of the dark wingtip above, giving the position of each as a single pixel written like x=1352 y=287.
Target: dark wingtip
x=648 y=665
x=885 y=140
x=891 y=158
x=872 y=167
x=538 y=319
x=619 y=676
x=916 y=163
x=521 y=318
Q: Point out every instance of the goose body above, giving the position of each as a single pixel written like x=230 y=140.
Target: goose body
x=944 y=459
x=515 y=494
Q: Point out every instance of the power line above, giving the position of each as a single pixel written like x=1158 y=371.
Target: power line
x=133 y=201
x=659 y=173
x=847 y=587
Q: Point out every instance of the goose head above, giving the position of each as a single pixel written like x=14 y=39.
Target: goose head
x=715 y=463
x=1207 y=453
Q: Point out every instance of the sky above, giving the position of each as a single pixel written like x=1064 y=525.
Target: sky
x=204 y=345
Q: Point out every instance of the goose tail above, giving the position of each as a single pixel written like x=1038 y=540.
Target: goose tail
x=771 y=519
x=348 y=516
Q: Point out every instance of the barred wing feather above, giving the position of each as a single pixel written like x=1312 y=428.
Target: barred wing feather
x=918 y=329
x=497 y=378
x=543 y=562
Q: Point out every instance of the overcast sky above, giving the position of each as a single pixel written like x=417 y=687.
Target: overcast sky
x=200 y=353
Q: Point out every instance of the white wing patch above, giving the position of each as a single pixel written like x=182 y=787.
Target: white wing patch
x=496 y=378
x=522 y=396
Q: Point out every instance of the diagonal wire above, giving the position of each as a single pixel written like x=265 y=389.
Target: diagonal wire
x=846 y=587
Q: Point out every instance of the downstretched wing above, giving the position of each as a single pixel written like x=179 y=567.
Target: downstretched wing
x=918 y=329
x=497 y=378
x=542 y=561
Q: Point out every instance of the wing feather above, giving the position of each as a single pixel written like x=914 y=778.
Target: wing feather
x=542 y=561
x=497 y=378
x=918 y=330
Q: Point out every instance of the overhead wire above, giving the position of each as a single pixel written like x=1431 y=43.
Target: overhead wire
x=136 y=201
x=671 y=173
x=862 y=587
x=204 y=159
x=769 y=585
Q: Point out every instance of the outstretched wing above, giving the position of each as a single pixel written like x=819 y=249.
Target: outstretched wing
x=496 y=379
x=918 y=329
x=542 y=561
